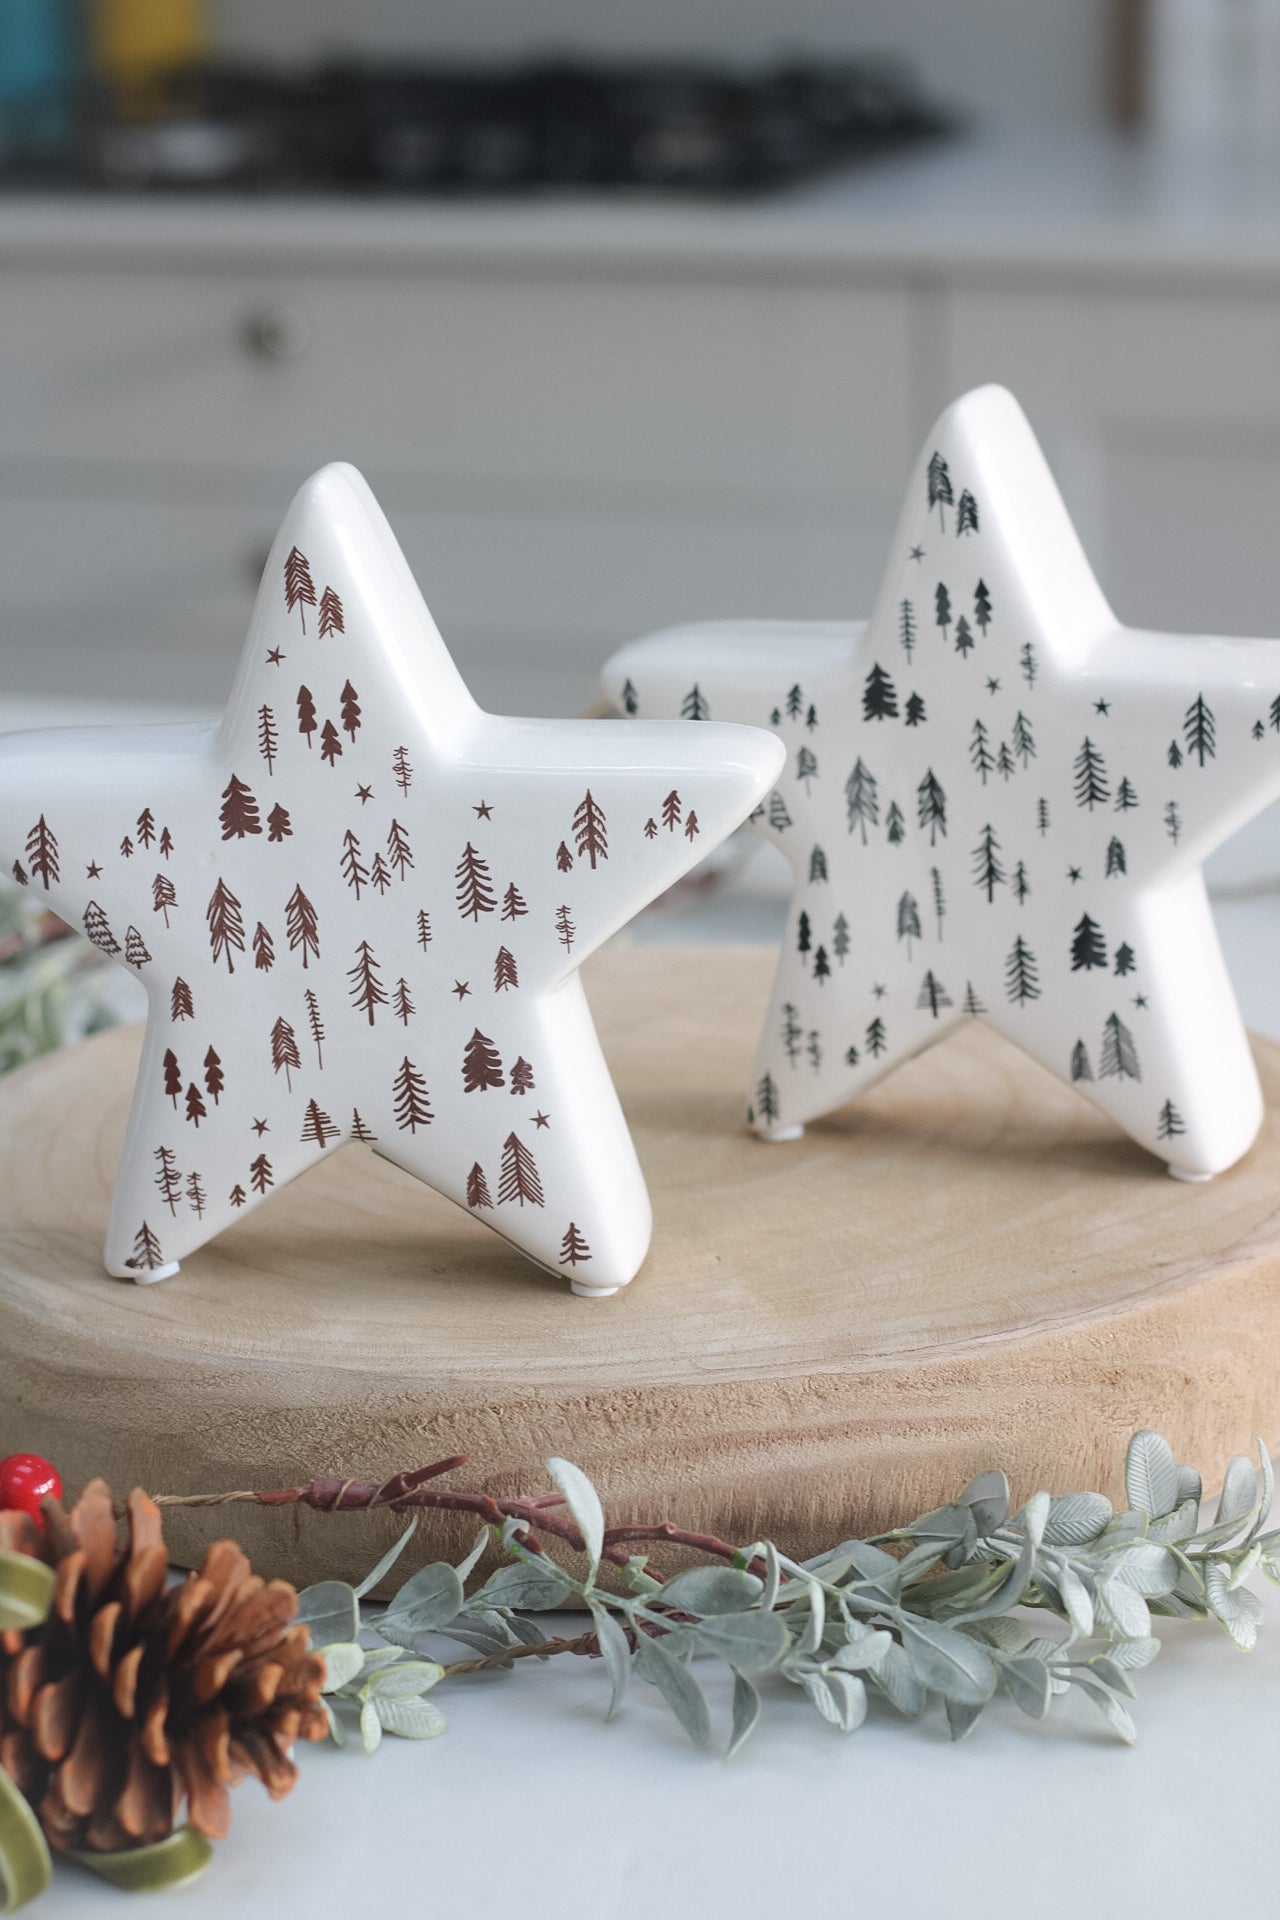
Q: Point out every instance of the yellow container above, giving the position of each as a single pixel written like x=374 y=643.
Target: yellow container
x=133 y=41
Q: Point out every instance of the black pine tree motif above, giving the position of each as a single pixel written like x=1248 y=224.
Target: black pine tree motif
x=1024 y=744
x=1174 y=755
x=693 y=706
x=589 y=835
x=196 y=1109
x=239 y=815
x=214 y=1078
x=19 y=873
x=806 y=767
x=1173 y=821
x=145 y=826
x=1124 y=959
x=1027 y=662
x=895 y=827
x=913 y=713
x=146 y=1256
x=907 y=627
x=966 y=513
x=791 y=1032
x=366 y=990
x=933 y=995
x=126 y=850
x=238 y=1195
x=565 y=928
x=196 y=1195
x=651 y=825
x=279 y=825
x=938 y=487
x=817 y=866
x=813 y=1048
x=330 y=745
x=1042 y=816
x=1004 y=762
x=302 y=925
x=359 y=1130
x=779 y=818
x=795 y=703
x=1258 y=731
x=513 y=903
x=1198 y=730
x=402 y=1001
x=402 y=769
x=1091 y=788
x=264 y=953
x=671 y=811
x=1170 y=1123
x=172 y=1075
x=630 y=704
x=285 y=1057
x=939 y=902
x=972 y=1004
x=226 y=928
x=424 y=928
x=411 y=1101
x=299 y=588
x=379 y=875
x=268 y=738
x=861 y=800
x=1119 y=1057
x=163 y=895
x=908 y=920
x=481 y=1066
x=1126 y=797
x=316 y=1025
x=168 y=1179
x=350 y=711
x=180 y=1003
x=261 y=1174
x=942 y=608
x=478 y=1186
x=821 y=965
x=879 y=696
x=876 y=1040
x=1088 y=948
x=399 y=852
x=518 y=1180
x=981 y=758
x=1021 y=975
x=1115 y=857
x=317 y=1126
x=521 y=1076
x=964 y=638
x=840 y=938
x=98 y=928
x=804 y=933
x=767 y=1107
x=811 y=718
x=1273 y=714
x=988 y=871
x=331 y=616
x=504 y=971
x=1080 y=1068
x=1020 y=884
x=306 y=714
x=354 y=871
x=42 y=854
x=474 y=885
x=931 y=807
x=851 y=1056
x=982 y=605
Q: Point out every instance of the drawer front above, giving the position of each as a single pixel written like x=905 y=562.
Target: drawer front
x=508 y=384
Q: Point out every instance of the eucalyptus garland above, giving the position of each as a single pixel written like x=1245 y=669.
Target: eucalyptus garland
x=968 y=1604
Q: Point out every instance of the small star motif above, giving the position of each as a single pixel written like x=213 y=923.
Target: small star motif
x=1074 y=874
x=274 y=656
x=461 y=988
x=93 y=870
x=1139 y=999
x=364 y=794
x=260 y=1127
x=484 y=811
x=916 y=553
x=879 y=991
x=541 y=1120
x=1102 y=706
x=993 y=686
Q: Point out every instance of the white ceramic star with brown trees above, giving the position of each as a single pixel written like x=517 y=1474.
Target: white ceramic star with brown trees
x=358 y=906
x=996 y=803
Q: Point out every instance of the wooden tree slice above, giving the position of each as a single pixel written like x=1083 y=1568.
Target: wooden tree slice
x=970 y=1268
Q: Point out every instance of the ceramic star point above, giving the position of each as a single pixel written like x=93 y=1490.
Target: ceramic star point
x=301 y=936
x=1003 y=811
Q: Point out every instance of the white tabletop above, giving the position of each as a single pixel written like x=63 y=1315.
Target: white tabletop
x=530 y=1804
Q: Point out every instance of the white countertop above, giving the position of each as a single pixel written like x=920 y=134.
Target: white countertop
x=532 y=1805
x=1088 y=202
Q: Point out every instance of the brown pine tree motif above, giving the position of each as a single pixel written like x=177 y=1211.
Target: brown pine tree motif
x=573 y=1248
x=399 y=851
x=564 y=859
x=172 y=1075
x=238 y=1195
x=519 y=1180
x=126 y=848
x=166 y=842
x=331 y=616
x=367 y=990
x=260 y=1174
x=268 y=738
x=299 y=588
x=359 y=1131
x=168 y=1179
x=589 y=834
x=264 y=953
x=481 y=1066
x=146 y=827
x=565 y=928
x=316 y=1024
x=402 y=768
x=180 y=1003
x=403 y=1002
x=691 y=828
x=302 y=925
x=317 y=1125
x=196 y=1108
x=42 y=854
x=163 y=895
x=412 y=1102
x=135 y=948
x=226 y=928
x=330 y=745
x=651 y=828
x=306 y=714
x=671 y=811
x=279 y=825
x=20 y=873
x=98 y=929
x=478 y=1188
x=424 y=929
x=285 y=1057
x=239 y=815
x=196 y=1195
x=504 y=971
x=475 y=885
x=513 y=903
x=146 y=1251
x=214 y=1078
x=354 y=871
x=350 y=710
x=521 y=1076
x=379 y=874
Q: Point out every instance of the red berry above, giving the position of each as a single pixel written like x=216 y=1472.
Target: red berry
x=25 y=1479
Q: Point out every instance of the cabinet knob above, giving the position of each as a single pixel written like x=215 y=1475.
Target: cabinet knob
x=277 y=332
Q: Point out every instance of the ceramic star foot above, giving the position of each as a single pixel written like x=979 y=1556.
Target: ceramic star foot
x=1185 y=1173
x=995 y=806
x=359 y=905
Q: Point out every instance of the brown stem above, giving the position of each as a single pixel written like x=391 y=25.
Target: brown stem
x=585 y=1643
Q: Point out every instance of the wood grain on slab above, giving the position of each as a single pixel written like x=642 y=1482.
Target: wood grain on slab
x=969 y=1268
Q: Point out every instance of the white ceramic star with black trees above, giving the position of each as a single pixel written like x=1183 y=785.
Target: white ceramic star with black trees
x=996 y=803
x=359 y=905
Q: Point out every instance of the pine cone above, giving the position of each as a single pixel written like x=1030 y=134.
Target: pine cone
x=135 y=1696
